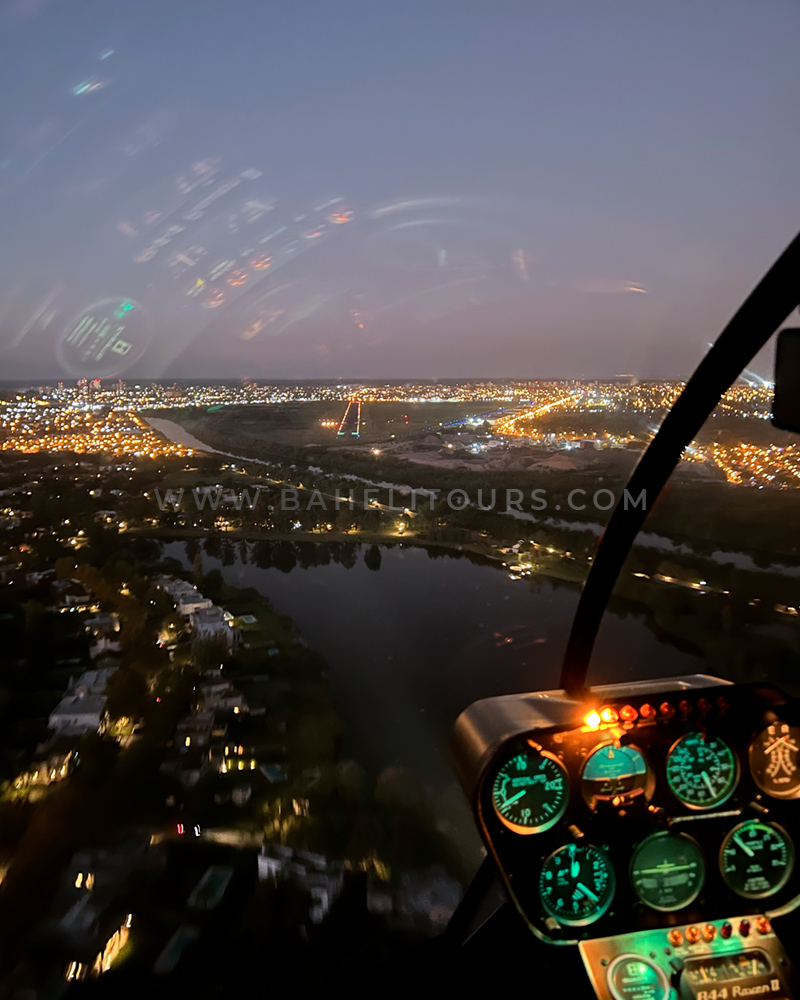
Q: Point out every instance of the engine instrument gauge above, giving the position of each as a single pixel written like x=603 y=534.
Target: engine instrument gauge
x=576 y=884
x=615 y=774
x=631 y=977
x=530 y=791
x=723 y=968
x=667 y=871
x=702 y=773
x=756 y=859
x=774 y=760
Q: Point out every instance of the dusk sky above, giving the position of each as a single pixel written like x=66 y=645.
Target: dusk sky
x=364 y=189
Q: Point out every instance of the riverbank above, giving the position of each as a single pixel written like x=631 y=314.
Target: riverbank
x=569 y=573
x=292 y=709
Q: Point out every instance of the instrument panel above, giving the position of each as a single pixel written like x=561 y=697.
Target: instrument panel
x=641 y=809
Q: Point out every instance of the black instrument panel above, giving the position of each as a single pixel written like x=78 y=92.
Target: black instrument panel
x=657 y=810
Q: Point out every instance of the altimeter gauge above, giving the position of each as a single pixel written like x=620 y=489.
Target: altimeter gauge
x=576 y=884
x=702 y=772
x=756 y=859
x=530 y=791
x=774 y=760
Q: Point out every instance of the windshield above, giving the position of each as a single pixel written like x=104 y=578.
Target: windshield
x=330 y=336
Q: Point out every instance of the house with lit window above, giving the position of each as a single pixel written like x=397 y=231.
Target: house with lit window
x=77 y=714
x=82 y=708
x=92 y=913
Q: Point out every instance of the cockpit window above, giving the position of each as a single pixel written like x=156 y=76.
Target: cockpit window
x=330 y=336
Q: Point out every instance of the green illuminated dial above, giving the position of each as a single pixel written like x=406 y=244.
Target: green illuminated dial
x=631 y=977
x=667 y=871
x=615 y=774
x=576 y=884
x=702 y=773
x=757 y=859
x=530 y=791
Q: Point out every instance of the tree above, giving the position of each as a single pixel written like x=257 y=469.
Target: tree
x=197 y=569
x=212 y=584
x=209 y=654
x=372 y=558
x=34 y=612
x=126 y=694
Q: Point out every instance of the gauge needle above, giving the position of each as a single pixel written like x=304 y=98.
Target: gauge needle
x=513 y=798
x=575 y=865
x=587 y=892
x=744 y=847
x=707 y=780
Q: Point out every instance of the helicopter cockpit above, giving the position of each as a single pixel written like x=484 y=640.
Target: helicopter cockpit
x=642 y=838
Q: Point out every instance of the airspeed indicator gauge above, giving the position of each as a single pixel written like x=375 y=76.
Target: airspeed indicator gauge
x=530 y=791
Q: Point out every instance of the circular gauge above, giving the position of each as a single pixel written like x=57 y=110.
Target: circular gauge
x=631 y=977
x=530 y=791
x=105 y=339
x=773 y=760
x=757 y=859
x=702 y=773
x=576 y=884
x=617 y=775
x=238 y=277
x=667 y=871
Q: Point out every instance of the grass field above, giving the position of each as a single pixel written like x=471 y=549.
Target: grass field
x=304 y=423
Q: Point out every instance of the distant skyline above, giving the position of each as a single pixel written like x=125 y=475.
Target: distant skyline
x=314 y=191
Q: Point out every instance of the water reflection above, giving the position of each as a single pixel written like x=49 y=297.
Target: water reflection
x=413 y=635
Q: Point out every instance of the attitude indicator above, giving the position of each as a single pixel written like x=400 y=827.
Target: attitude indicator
x=617 y=775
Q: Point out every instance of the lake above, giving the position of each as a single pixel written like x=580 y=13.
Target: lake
x=411 y=644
